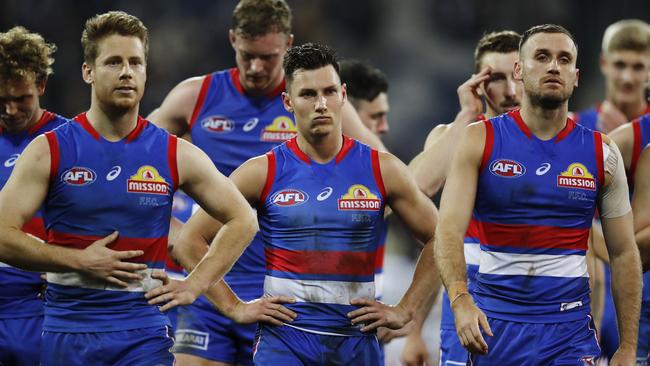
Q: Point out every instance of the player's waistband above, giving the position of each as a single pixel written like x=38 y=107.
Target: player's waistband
x=85 y=281
x=319 y=291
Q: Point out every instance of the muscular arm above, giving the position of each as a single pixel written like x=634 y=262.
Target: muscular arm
x=353 y=127
x=175 y=112
x=625 y=263
x=20 y=198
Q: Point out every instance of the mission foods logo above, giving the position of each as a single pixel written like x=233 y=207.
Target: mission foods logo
x=218 y=124
x=289 y=197
x=507 y=168
x=576 y=176
x=359 y=198
x=78 y=176
x=147 y=180
x=281 y=129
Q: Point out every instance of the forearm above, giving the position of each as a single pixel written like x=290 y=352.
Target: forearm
x=626 y=290
x=450 y=259
x=226 y=247
x=422 y=312
x=24 y=251
x=424 y=287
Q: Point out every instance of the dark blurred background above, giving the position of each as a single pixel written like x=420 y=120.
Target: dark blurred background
x=425 y=47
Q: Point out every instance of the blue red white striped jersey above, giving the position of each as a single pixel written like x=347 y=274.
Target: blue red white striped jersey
x=97 y=187
x=19 y=293
x=319 y=225
x=535 y=202
x=232 y=127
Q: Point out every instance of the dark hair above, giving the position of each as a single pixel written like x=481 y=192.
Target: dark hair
x=309 y=56
x=500 y=42
x=113 y=22
x=255 y=18
x=545 y=28
x=363 y=81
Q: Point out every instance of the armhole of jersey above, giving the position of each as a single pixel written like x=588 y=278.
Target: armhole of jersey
x=376 y=170
x=200 y=100
x=636 y=149
x=489 y=144
x=172 y=148
x=270 y=176
x=600 y=164
x=54 y=154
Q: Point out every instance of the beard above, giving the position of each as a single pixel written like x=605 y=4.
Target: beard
x=548 y=100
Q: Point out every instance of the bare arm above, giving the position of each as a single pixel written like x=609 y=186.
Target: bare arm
x=353 y=127
x=420 y=216
x=456 y=210
x=175 y=112
x=618 y=230
x=431 y=166
x=21 y=197
x=219 y=197
x=623 y=137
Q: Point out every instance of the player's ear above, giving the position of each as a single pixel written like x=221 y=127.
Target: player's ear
x=577 y=78
x=87 y=73
x=517 y=74
x=286 y=102
x=232 y=37
x=289 y=40
x=40 y=86
x=344 y=93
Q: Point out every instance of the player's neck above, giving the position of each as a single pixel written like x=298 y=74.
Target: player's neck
x=631 y=110
x=110 y=124
x=321 y=149
x=542 y=122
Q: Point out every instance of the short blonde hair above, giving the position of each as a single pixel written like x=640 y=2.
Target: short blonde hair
x=627 y=35
x=22 y=53
x=113 y=22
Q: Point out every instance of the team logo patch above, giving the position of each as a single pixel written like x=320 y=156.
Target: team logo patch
x=507 y=168
x=281 y=129
x=78 y=176
x=576 y=176
x=147 y=180
x=218 y=124
x=359 y=198
x=192 y=338
x=289 y=197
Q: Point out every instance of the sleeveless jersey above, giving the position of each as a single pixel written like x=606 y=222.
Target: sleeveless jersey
x=319 y=225
x=97 y=187
x=535 y=202
x=232 y=127
x=20 y=290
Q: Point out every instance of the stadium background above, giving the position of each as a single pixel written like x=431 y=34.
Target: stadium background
x=425 y=47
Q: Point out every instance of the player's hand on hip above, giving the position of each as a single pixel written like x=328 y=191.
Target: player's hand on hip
x=266 y=310
x=385 y=335
x=375 y=314
x=172 y=293
x=623 y=357
x=110 y=265
x=468 y=96
x=415 y=352
x=469 y=321
x=609 y=117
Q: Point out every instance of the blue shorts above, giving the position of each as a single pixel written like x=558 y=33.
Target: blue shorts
x=288 y=346
x=20 y=341
x=212 y=336
x=532 y=344
x=138 y=347
x=643 y=348
x=452 y=353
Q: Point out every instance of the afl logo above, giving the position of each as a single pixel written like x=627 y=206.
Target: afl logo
x=507 y=168
x=289 y=197
x=218 y=124
x=78 y=176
